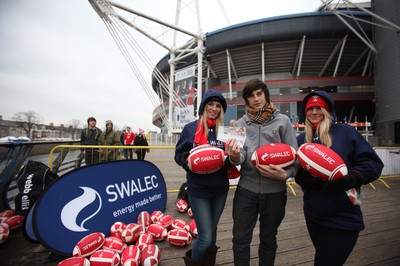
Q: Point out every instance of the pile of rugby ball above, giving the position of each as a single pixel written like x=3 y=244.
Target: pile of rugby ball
x=134 y=243
x=9 y=223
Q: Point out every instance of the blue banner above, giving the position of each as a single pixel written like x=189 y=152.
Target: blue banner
x=28 y=227
x=92 y=198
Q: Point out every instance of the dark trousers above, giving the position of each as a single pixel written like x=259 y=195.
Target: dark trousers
x=91 y=156
x=128 y=154
x=247 y=207
x=332 y=246
x=141 y=153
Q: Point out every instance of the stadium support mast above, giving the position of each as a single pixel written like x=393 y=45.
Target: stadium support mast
x=105 y=9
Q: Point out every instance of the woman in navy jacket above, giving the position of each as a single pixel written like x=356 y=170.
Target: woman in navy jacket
x=207 y=192
x=332 y=208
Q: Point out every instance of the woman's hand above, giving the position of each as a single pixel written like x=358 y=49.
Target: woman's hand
x=232 y=149
x=272 y=171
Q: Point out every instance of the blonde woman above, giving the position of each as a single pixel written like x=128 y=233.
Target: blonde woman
x=331 y=208
x=207 y=192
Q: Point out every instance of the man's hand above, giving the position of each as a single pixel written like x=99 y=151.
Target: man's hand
x=272 y=171
x=232 y=149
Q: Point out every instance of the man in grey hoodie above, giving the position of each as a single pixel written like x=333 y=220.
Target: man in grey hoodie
x=261 y=191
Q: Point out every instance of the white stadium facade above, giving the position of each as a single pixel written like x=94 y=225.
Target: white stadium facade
x=353 y=53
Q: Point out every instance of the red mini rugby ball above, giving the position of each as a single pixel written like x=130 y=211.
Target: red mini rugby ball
x=179 y=237
x=321 y=161
x=131 y=233
x=180 y=224
x=278 y=154
x=157 y=231
x=190 y=213
x=88 y=245
x=182 y=206
x=14 y=222
x=7 y=213
x=130 y=256
x=166 y=221
x=156 y=215
x=143 y=240
x=151 y=255
x=4 y=233
x=114 y=243
x=206 y=159
x=193 y=228
x=74 y=261
x=105 y=257
x=144 y=219
x=117 y=228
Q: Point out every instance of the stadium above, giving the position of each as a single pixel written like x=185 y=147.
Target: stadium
x=350 y=50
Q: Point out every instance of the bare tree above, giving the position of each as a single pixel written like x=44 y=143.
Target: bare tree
x=29 y=119
x=73 y=127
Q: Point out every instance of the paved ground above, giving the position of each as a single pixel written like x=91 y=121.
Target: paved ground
x=378 y=244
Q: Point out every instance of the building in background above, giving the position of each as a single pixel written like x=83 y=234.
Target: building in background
x=343 y=51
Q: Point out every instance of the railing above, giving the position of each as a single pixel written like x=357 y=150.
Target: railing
x=13 y=156
x=65 y=158
x=70 y=157
x=390 y=156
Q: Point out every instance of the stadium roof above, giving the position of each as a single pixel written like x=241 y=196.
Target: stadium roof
x=315 y=44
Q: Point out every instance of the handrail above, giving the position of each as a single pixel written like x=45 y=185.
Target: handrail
x=101 y=147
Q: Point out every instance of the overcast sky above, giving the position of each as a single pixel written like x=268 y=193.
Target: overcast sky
x=58 y=59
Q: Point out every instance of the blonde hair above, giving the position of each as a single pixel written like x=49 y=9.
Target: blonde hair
x=322 y=129
x=219 y=120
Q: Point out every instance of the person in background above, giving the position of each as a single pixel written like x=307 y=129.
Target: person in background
x=109 y=138
x=261 y=191
x=206 y=192
x=122 y=140
x=129 y=139
x=90 y=136
x=140 y=140
x=332 y=208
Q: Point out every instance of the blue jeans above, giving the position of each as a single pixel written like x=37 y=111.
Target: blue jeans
x=206 y=212
x=247 y=206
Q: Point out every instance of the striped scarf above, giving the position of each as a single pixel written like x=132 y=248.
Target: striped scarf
x=261 y=115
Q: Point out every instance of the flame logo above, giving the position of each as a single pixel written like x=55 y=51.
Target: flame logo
x=264 y=157
x=309 y=147
x=72 y=209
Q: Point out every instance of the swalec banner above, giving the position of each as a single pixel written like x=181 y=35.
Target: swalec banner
x=92 y=198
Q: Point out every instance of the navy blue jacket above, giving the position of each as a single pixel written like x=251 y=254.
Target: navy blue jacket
x=335 y=210
x=207 y=185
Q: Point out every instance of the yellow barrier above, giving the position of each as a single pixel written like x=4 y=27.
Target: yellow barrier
x=97 y=147
x=290 y=183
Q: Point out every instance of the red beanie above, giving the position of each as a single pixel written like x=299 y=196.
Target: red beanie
x=316 y=101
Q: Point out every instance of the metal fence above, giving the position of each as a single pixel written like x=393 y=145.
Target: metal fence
x=65 y=158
